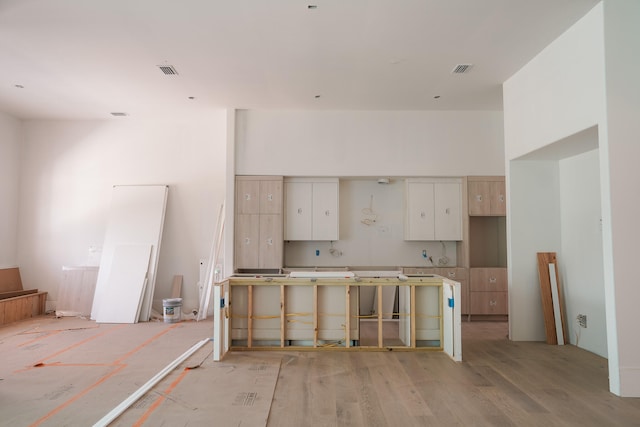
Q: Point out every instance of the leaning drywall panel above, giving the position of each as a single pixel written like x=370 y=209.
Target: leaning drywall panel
x=121 y=300
x=136 y=217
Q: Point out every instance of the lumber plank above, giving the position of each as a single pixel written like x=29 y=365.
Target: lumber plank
x=10 y=279
x=544 y=259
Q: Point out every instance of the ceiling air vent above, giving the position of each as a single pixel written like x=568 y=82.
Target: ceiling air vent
x=168 y=70
x=461 y=68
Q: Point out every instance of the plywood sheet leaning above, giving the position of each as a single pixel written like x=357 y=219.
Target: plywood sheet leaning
x=75 y=294
x=136 y=217
x=10 y=279
x=552 y=301
x=120 y=302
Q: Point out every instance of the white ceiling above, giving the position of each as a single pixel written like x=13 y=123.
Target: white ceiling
x=82 y=59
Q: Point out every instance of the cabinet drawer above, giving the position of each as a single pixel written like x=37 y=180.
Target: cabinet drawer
x=419 y=270
x=488 y=303
x=452 y=273
x=488 y=279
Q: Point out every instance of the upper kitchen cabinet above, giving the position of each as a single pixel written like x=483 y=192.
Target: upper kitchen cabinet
x=258 y=226
x=487 y=196
x=258 y=195
x=311 y=209
x=433 y=210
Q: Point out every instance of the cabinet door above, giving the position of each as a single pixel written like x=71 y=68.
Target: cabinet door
x=298 y=212
x=448 y=211
x=247 y=196
x=271 y=197
x=479 y=197
x=247 y=248
x=498 y=198
x=325 y=211
x=420 y=222
x=270 y=241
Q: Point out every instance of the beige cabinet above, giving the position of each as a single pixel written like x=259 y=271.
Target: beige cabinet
x=488 y=291
x=311 y=209
x=433 y=210
x=258 y=225
x=457 y=274
x=486 y=196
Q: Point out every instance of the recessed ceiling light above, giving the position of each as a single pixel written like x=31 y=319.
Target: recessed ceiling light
x=436 y=97
x=317 y=96
x=192 y=97
x=19 y=86
x=119 y=114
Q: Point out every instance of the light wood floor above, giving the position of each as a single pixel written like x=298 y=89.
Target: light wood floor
x=499 y=383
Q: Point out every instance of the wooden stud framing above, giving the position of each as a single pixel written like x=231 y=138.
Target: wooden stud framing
x=441 y=314
x=413 y=316
x=282 y=317
x=347 y=320
x=249 y=316
x=315 y=316
x=380 y=335
x=412 y=313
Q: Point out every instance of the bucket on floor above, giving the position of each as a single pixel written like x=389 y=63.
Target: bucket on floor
x=171 y=309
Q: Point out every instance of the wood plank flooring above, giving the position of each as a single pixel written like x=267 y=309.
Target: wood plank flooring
x=499 y=383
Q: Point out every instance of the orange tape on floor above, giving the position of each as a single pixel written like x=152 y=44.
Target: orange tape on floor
x=117 y=365
x=161 y=399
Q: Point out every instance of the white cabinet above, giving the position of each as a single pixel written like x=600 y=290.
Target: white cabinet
x=433 y=210
x=311 y=209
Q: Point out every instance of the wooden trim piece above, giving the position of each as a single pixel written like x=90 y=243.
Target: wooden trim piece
x=544 y=259
x=11 y=294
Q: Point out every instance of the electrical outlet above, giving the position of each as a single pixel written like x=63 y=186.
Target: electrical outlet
x=582 y=320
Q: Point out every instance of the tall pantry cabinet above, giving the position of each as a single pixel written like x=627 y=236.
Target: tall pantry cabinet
x=488 y=297
x=259 y=223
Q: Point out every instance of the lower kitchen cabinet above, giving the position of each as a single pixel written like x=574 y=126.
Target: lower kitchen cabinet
x=488 y=291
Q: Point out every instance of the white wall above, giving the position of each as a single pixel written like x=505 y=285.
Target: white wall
x=580 y=264
x=587 y=78
x=369 y=143
x=10 y=133
x=622 y=44
x=559 y=93
x=69 y=168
